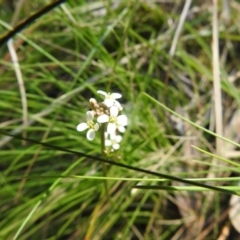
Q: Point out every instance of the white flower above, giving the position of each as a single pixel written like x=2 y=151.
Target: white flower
x=114 y=121
x=93 y=127
x=113 y=141
x=110 y=98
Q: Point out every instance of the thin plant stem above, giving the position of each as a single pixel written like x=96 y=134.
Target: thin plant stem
x=104 y=167
x=103 y=139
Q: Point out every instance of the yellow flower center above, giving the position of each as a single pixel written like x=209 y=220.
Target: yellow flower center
x=90 y=124
x=112 y=119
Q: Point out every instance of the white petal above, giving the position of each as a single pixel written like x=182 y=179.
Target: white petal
x=121 y=129
x=103 y=118
x=116 y=146
x=81 y=127
x=122 y=120
x=108 y=102
x=96 y=127
x=111 y=128
x=90 y=134
x=116 y=95
x=118 y=105
x=102 y=92
x=118 y=138
x=89 y=115
x=113 y=136
x=114 y=111
x=108 y=143
x=106 y=134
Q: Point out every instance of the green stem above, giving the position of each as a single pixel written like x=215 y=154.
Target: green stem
x=103 y=140
x=104 y=167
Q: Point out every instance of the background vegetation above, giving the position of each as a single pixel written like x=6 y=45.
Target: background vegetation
x=156 y=53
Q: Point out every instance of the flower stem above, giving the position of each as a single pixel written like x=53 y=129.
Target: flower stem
x=104 y=167
x=103 y=140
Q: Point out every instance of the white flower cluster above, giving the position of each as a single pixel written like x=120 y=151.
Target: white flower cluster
x=107 y=113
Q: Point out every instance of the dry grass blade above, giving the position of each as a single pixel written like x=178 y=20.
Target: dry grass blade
x=179 y=27
x=216 y=79
x=19 y=77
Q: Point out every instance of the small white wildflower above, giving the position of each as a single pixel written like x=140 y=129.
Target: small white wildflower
x=113 y=141
x=114 y=121
x=110 y=97
x=93 y=127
